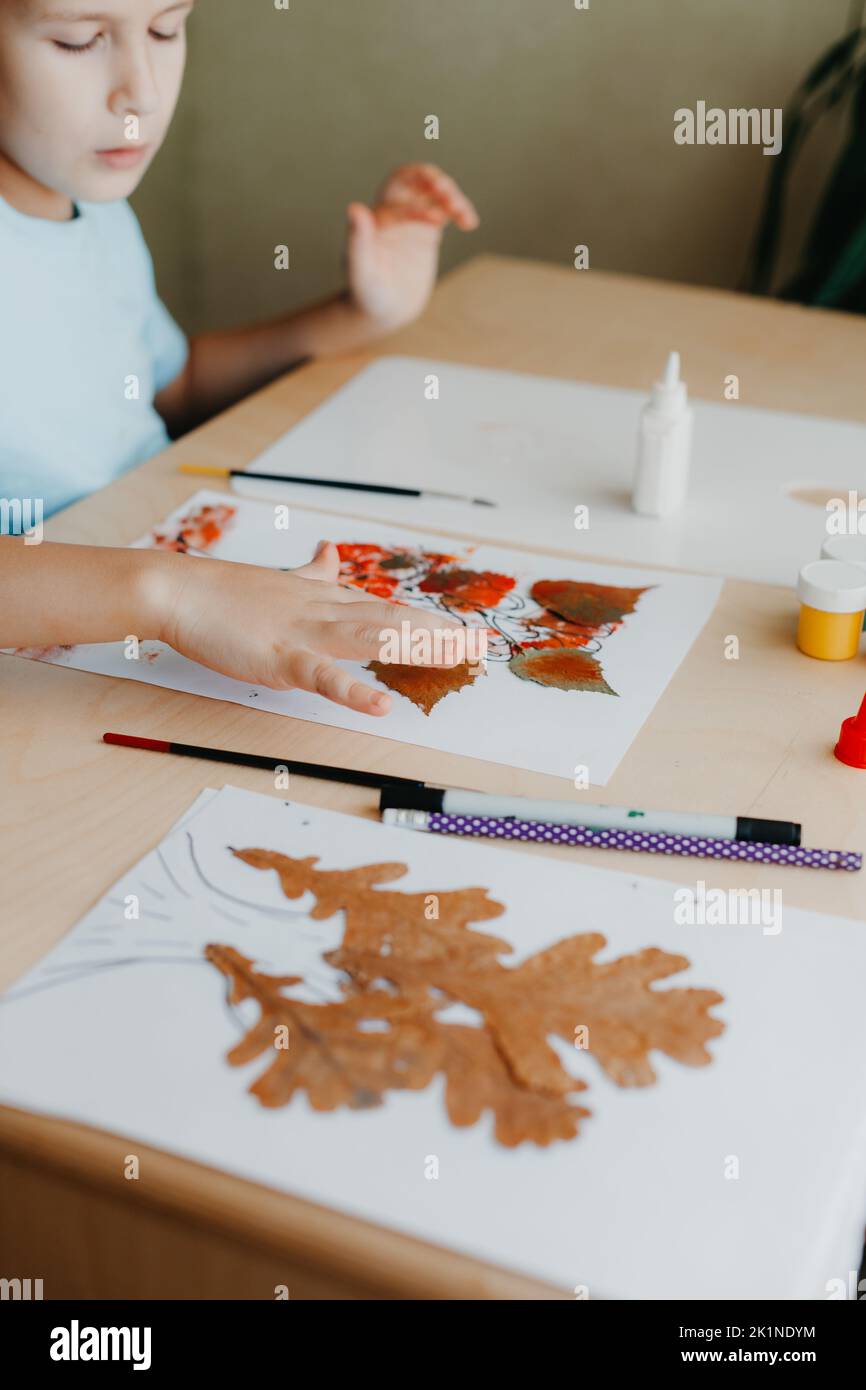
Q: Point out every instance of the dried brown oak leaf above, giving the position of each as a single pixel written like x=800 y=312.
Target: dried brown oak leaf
x=559 y=990
x=477 y=1078
x=425 y=686
x=424 y=963
x=387 y=936
x=329 y=1055
x=391 y=924
x=337 y=1062
x=563 y=987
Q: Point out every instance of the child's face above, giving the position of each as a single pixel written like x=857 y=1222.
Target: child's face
x=88 y=89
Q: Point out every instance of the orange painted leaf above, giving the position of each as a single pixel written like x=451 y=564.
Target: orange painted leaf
x=563 y=668
x=593 y=605
x=425 y=686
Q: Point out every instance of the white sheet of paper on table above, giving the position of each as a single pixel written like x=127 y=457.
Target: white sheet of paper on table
x=540 y=447
x=124 y=1027
x=500 y=718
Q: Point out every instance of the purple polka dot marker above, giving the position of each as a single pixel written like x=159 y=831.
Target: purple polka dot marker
x=694 y=846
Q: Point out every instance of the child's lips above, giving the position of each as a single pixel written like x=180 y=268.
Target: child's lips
x=124 y=157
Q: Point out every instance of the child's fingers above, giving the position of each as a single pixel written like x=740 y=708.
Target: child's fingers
x=392 y=214
x=439 y=190
x=321 y=676
x=360 y=239
x=362 y=223
x=334 y=601
x=380 y=613
x=324 y=566
x=343 y=623
x=449 y=195
x=365 y=638
x=323 y=598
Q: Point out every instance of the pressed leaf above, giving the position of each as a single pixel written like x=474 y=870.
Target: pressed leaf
x=329 y=1055
x=563 y=668
x=338 y=1062
x=477 y=1079
x=592 y=605
x=397 y=925
x=405 y=964
x=425 y=686
x=564 y=987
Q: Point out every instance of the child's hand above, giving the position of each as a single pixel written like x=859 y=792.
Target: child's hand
x=284 y=629
x=393 y=248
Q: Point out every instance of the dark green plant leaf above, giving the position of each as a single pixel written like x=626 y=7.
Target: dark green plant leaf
x=800 y=117
x=848 y=273
x=833 y=263
x=836 y=56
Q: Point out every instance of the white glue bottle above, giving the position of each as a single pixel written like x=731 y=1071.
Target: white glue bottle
x=664 y=446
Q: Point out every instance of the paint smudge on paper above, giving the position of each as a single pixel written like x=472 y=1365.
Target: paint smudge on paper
x=473 y=590
x=197 y=531
x=381 y=572
x=51 y=654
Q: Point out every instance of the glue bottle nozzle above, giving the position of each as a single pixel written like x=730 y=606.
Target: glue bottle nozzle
x=672 y=370
x=851 y=748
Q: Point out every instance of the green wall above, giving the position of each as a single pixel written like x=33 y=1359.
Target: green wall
x=558 y=122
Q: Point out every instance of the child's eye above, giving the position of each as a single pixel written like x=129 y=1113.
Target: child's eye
x=92 y=43
x=78 y=47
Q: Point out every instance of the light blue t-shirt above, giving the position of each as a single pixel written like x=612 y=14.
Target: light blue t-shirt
x=85 y=344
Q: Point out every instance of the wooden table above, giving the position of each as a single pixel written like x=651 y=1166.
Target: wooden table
x=753 y=735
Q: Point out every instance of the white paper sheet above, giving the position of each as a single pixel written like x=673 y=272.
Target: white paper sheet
x=125 y=1027
x=500 y=718
x=540 y=447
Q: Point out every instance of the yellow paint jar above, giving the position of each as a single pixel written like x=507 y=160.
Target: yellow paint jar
x=832 y=598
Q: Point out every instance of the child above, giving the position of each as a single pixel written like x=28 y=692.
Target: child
x=86 y=100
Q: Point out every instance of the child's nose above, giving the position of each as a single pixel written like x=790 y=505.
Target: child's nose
x=135 y=92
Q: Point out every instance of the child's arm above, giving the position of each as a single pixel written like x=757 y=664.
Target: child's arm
x=392 y=258
x=268 y=627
